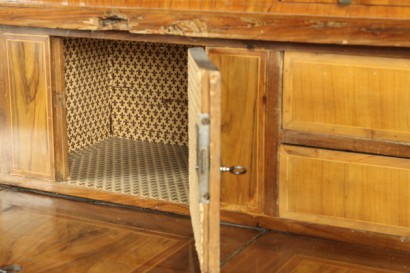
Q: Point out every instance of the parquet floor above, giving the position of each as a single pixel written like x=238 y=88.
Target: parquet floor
x=49 y=234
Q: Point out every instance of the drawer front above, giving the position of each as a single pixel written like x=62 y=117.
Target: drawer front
x=355 y=2
x=344 y=189
x=357 y=96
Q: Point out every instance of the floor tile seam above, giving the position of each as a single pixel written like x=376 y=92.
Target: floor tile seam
x=242 y=248
x=102 y=203
x=164 y=257
x=105 y=224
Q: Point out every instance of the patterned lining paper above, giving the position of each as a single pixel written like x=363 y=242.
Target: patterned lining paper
x=149 y=92
x=87 y=92
x=125 y=89
x=150 y=170
x=118 y=92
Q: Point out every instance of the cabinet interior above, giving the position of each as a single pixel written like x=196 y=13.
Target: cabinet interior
x=127 y=117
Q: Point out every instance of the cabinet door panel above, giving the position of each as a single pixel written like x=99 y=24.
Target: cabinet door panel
x=352 y=190
x=28 y=86
x=360 y=96
x=204 y=82
x=242 y=125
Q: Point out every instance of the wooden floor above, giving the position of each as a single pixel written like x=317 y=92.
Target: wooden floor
x=49 y=234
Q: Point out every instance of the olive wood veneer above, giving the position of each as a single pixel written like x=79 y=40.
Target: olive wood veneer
x=265 y=31
x=261 y=209
x=330 y=23
x=75 y=235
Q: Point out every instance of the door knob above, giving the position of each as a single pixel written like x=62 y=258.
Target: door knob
x=238 y=170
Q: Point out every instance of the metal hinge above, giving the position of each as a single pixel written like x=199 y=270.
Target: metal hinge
x=203 y=157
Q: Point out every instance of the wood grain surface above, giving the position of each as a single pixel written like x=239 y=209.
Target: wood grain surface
x=249 y=20
x=28 y=84
x=204 y=93
x=392 y=3
x=4 y=162
x=47 y=234
x=310 y=264
x=284 y=253
x=242 y=125
x=358 y=96
x=80 y=244
x=346 y=143
x=374 y=8
x=59 y=109
x=302 y=28
x=357 y=191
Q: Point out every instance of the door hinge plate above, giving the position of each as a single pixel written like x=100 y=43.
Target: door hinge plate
x=203 y=157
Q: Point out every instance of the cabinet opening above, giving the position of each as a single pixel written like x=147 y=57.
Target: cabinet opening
x=127 y=117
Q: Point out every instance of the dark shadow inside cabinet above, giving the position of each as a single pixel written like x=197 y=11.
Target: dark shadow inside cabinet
x=127 y=117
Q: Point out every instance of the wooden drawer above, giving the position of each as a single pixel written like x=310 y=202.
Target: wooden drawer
x=355 y=2
x=352 y=190
x=359 y=96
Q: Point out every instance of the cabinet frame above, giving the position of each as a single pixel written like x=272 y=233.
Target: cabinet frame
x=274 y=136
x=354 y=2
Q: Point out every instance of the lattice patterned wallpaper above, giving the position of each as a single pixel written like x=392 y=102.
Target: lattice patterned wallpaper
x=88 y=105
x=149 y=92
x=126 y=89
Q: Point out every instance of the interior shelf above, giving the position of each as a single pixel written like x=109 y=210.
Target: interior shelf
x=144 y=169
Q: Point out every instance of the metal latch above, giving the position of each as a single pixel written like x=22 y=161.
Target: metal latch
x=203 y=157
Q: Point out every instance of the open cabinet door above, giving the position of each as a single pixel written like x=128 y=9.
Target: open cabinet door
x=204 y=157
